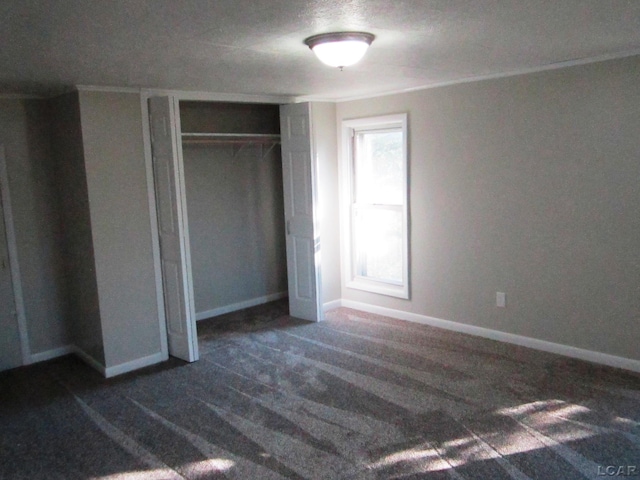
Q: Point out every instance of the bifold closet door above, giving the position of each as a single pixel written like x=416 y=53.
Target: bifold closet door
x=172 y=226
x=10 y=350
x=303 y=242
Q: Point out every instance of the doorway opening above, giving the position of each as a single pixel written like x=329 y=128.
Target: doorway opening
x=256 y=130
x=234 y=193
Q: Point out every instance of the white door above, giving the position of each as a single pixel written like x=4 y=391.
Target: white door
x=303 y=242
x=172 y=225
x=10 y=351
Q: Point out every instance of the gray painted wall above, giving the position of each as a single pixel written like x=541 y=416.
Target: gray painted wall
x=77 y=246
x=323 y=120
x=120 y=225
x=526 y=185
x=24 y=130
x=236 y=223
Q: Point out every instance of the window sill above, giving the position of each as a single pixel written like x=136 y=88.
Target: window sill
x=382 y=288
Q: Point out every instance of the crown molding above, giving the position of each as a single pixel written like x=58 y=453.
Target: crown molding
x=218 y=97
x=479 y=78
x=106 y=89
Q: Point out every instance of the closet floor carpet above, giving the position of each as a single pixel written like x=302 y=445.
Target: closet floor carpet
x=358 y=396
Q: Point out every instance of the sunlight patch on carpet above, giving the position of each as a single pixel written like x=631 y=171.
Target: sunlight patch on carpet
x=157 y=474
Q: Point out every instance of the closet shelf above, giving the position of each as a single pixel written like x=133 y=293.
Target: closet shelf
x=231 y=138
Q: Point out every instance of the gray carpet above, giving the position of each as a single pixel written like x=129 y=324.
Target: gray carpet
x=356 y=397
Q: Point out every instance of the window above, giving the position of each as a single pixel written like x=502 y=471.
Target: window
x=375 y=205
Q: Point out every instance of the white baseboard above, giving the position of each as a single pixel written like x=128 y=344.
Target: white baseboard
x=88 y=359
x=66 y=350
x=108 y=372
x=51 y=354
x=331 y=305
x=133 y=365
x=545 y=346
x=240 y=305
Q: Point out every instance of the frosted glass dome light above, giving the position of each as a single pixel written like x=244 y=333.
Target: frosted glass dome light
x=340 y=49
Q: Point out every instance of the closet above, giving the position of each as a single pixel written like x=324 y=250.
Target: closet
x=234 y=193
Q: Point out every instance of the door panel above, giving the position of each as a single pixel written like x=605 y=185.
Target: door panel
x=10 y=350
x=174 y=303
x=304 y=258
x=303 y=242
x=300 y=184
x=172 y=226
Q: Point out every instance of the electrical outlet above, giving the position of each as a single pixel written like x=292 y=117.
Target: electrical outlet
x=501 y=299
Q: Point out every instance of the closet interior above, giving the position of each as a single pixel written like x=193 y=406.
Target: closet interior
x=233 y=179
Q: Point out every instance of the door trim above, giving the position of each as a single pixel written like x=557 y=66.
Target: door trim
x=14 y=267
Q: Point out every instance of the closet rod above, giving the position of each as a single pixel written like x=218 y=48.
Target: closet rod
x=230 y=141
x=270 y=136
x=230 y=138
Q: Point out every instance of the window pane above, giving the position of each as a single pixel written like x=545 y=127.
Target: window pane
x=378 y=243
x=378 y=168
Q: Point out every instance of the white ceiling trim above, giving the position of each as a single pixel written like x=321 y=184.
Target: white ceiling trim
x=98 y=88
x=191 y=95
x=479 y=78
x=218 y=97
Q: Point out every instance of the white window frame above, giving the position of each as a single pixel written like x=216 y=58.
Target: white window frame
x=348 y=206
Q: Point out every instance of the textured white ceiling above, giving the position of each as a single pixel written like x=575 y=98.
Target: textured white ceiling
x=255 y=47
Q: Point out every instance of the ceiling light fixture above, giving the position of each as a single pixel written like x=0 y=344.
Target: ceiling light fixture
x=340 y=49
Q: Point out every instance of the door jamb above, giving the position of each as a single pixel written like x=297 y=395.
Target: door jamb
x=14 y=267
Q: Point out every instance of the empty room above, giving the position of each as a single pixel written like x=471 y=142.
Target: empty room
x=302 y=239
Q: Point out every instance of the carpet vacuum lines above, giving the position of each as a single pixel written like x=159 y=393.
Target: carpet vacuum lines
x=297 y=455
x=161 y=471
x=407 y=398
x=219 y=460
